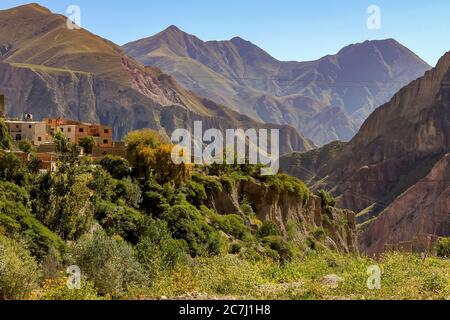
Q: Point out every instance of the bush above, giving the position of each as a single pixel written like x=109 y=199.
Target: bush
x=26 y=146
x=128 y=191
x=232 y=225
x=19 y=272
x=5 y=136
x=157 y=251
x=56 y=289
x=87 y=143
x=269 y=228
x=110 y=264
x=17 y=221
x=117 y=167
x=443 y=248
x=327 y=199
x=119 y=220
x=12 y=169
x=186 y=223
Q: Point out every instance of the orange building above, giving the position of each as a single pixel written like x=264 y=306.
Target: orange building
x=75 y=131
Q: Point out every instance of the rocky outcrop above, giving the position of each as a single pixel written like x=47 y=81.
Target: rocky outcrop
x=415 y=219
x=389 y=166
x=284 y=208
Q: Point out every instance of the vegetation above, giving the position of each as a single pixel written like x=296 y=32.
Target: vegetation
x=443 y=248
x=142 y=227
x=87 y=143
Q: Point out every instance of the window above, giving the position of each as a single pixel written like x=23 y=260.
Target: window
x=105 y=141
x=69 y=129
x=62 y=129
x=18 y=137
x=30 y=126
x=106 y=131
x=81 y=130
x=39 y=139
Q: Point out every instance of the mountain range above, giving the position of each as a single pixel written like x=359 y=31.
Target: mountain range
x=327 y=99
x=396 y=171
x=49 y=70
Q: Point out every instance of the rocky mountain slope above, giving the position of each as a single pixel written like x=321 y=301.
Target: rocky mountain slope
x=394 y=171
x=308 y=214
x=50 y=70
x=327 y=99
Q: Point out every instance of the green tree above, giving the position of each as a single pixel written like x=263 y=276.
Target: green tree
x=157 y=251
x=26 y=146
x=87 y=143
x=109 y=263
x=186 y=223
x=67 y=152
x=13 y=169
x=117 y=167
x=5 y=136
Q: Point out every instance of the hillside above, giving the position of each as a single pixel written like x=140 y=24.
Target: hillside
x=49 y=70
x=327 y=99
x=394 y=170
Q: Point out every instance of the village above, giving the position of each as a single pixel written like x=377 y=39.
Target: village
x=40 y=134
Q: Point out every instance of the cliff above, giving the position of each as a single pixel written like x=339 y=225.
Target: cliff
x=307 y=213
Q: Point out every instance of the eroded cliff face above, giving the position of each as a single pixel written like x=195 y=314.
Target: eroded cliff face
x=386 y=167
x=286 y=209
x=416 y=218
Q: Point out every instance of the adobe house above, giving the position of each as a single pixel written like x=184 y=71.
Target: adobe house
x=27 y=129
x=76 y=130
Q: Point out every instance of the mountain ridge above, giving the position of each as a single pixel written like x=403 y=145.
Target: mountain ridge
x=60 y=63
x=243 y=76
x=389 y=171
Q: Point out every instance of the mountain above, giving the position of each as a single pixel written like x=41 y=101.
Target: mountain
x=327 y=99
x=49 y=70
x=395 y=172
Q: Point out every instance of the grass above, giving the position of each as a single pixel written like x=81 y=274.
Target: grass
x=405 y=276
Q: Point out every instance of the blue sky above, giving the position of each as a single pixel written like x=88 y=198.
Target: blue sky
x=287 y=29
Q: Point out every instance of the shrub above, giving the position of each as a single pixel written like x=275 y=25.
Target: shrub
x=19 y=272
x=12 y=169
x=56 y=289
x=26 y=146
x=186 y=223
x=87 y=143
x=246 y=207
x=117 y=167
x=129 y=191
x=157 y=251
x=327 y=199
x=5 y=136
x=443 y=248
x=269 y=228
x=17 y=221
x=232 y=225
x=109 y=263
x=119 y=220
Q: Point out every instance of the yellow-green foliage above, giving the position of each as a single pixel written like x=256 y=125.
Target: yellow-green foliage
x=405 y=276
x=57 y=289
x=19 y=272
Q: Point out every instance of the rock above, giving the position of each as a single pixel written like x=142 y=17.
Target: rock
x=332 y=281
x=284 y=207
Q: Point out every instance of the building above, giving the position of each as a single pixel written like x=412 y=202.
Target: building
x=33 y=131
x=75 y=131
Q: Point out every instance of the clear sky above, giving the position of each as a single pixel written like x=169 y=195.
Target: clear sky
x=287 y=29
